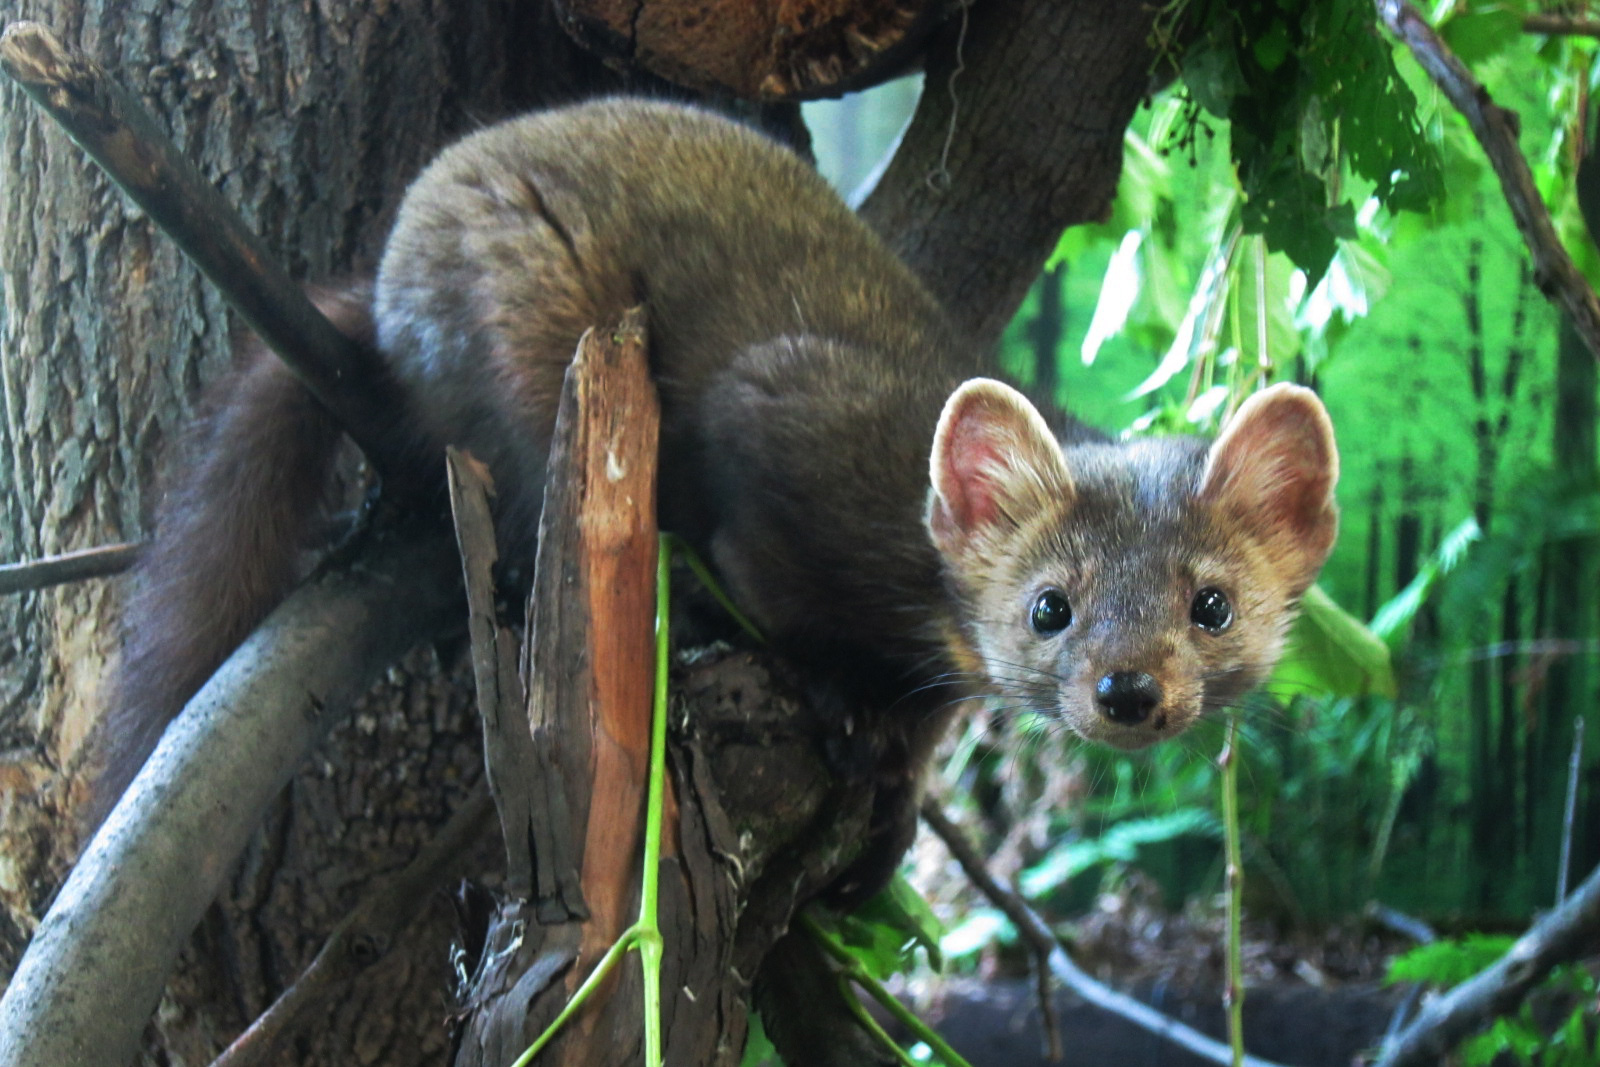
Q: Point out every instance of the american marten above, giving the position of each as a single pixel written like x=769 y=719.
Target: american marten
x=905 y=530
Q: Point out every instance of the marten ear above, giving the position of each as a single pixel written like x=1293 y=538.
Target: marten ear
x=1273 y=468
x=994 y=464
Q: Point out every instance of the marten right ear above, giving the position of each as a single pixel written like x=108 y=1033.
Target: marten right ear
x=994 y=465
x=1273 y=469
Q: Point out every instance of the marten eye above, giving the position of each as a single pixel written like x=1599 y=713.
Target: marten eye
x=1210 y=610
x=1051 y=613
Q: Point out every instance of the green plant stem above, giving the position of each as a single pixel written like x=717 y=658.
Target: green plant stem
x=870 y=1025
x=856 y=973
x=1233 y=995
x=607 y=963
x=650 y=892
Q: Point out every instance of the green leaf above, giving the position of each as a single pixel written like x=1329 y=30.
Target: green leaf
x=1120 y=844
x=1330 y=651
x=1450 y=962
x=885 y=932
x=1257 y=275
x=1394 y=618
x=1211 y=69
x=758 y=1050
x=981 y=928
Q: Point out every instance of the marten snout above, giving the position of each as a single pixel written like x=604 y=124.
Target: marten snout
x=1127 y=697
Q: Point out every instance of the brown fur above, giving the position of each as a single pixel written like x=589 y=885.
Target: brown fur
x=803 y=371
x=231 y=523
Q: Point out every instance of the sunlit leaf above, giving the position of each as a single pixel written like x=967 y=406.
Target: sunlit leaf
x=1118 y=290
x=1330 y=651
x=1393 y=618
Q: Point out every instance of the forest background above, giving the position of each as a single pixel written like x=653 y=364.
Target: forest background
x=1415 y=748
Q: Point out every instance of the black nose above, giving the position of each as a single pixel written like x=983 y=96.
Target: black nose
x=1127 y=697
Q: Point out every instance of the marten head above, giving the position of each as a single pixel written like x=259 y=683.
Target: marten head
x=1125 y=589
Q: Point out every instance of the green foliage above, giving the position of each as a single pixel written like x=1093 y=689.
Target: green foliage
x=1310 y=91
x=885 y=932
x=1378 y=755
x=1119 y=844
x=1394 y=619
x=1524 y=1038
x=1450 y=962
x=758 y=1050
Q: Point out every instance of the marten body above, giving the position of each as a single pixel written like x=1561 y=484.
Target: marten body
x=907 y=538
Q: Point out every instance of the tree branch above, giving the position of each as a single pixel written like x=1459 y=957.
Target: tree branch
x=1561 y=936
x=1046 y=947
x=1018 y=135
x=68 y=567
x=96 y=966
x=1496 y=129
x=117 y=132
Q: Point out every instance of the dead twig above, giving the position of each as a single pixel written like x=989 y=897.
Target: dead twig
x=1046 y=947
x=1496 y=129
x=68 y=567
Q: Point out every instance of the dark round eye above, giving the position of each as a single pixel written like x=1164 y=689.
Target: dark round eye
x=1211 y=610
x=1051 y=612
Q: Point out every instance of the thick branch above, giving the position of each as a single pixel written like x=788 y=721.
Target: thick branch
x=1044 y=944
x=97 y=964
x=1496 y=129
x=68 y=567
x=116 y=131
x=1018 y=136
x=1565 y=934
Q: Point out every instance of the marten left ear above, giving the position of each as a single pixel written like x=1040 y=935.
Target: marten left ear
x=994 y=465
x=1273 y=468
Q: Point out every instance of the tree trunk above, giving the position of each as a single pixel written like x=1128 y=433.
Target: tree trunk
x=1048 y=327
x=312 y=119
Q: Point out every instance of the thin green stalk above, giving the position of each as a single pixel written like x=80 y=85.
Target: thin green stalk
x=870 y=1025
x=649 y=894
x=607 y=963
x=1233 y=994
x=855 y=972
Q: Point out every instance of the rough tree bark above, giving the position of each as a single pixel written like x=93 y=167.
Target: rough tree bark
x=311 y=119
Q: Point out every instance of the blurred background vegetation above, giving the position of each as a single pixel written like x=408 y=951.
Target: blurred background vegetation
x=1414 y=748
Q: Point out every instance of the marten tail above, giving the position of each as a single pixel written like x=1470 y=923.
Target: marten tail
x=230 y=532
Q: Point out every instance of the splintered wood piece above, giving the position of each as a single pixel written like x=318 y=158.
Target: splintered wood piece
x=591 y=646
x=768 y=50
